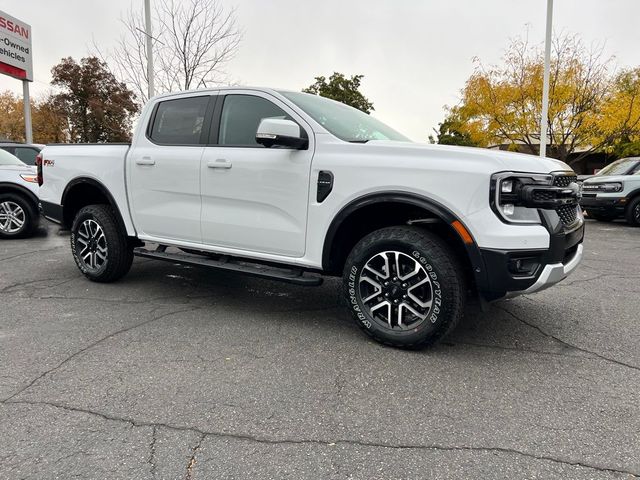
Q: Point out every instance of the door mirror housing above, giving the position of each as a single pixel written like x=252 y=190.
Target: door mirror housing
x=283 y=133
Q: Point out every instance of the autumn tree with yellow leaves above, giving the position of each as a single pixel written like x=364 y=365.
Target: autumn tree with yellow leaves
x=49 y=123
x=590 y=109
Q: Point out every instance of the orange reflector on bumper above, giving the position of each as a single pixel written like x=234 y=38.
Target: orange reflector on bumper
x=462 y=231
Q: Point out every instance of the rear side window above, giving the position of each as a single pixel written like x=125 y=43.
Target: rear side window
x=27 y=155
x=179 y=122
x=241 y=115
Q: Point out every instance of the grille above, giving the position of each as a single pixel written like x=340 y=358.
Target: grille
x=564 y=180
x=568 y=213
x=542 y=196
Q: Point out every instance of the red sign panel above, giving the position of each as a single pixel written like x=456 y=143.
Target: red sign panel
x=13 y=71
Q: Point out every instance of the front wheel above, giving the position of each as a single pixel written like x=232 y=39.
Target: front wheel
x=101 y=250
x=404 y=286
x=633 y=213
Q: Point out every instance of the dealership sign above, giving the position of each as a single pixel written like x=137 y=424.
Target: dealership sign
x=15 y=48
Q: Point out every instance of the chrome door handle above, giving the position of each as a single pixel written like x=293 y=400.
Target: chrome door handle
x=219 y=163
x=145 y=161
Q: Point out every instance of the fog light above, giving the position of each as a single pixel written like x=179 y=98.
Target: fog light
x=508 y=209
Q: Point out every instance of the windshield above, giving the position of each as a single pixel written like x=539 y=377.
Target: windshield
x=345 y=122
x=7 y=159
x=619 y=167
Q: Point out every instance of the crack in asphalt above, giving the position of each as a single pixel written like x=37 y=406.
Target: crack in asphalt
x=567 y=344
x=521 y=349
x=152 y=452
x=92 y=345
x=192 y=461
x=7 y=288
x=24 y=254
x=326 y=443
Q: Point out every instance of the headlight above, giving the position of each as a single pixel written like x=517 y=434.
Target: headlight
x=507 y=192
x=608 y=187
x=516 y=197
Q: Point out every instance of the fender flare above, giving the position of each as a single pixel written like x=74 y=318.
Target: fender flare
x=104 y=190
x=440 y=211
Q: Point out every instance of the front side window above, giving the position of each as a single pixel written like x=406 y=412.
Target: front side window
x=241 y=115
x=179 y=122
x=27 y=155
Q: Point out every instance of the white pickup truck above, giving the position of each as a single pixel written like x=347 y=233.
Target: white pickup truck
x=292 y=186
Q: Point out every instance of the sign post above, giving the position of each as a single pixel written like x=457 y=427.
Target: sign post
x=16 y=60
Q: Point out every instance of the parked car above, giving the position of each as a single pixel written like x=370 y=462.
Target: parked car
x=27 y=152
x=291 y=186
x=18 y=197
x=614 y=192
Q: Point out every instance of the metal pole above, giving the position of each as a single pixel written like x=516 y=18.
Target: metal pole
x=545 y=83
x=28 y=133
x=147 y=21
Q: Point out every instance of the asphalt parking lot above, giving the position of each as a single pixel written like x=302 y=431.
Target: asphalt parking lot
x=176 y=372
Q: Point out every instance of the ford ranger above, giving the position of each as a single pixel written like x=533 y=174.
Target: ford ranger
x=294 y=187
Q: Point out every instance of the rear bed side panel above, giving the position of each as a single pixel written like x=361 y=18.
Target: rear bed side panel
x=103 y=163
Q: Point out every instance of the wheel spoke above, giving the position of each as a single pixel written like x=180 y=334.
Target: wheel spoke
x=395 y=290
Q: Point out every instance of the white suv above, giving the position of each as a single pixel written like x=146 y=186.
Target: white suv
x=18 y=197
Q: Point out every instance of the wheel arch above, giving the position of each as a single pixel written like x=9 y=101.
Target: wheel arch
x=83 y=191
x=8 y=187
x=351 y=224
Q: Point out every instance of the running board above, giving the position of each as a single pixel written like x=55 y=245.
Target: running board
x=231 y=264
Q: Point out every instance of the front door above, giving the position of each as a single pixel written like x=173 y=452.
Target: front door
x=254 y=198
x=164 y=171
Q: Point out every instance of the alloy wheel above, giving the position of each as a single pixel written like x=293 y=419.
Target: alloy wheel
x=396 y=290
x=91 y=245
x=12 y=217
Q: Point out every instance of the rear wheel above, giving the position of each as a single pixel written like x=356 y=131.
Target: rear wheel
x=404 y=287
x=100 y=249
x=18 y=217
x=633 y=213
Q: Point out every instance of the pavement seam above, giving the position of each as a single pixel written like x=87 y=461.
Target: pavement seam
x=152 y=452
x=359 y=443
x=94 y=344
x=567 y=344
x=5 y=259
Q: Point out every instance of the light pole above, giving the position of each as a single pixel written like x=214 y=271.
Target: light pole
x=148 y=33
x=545 y=83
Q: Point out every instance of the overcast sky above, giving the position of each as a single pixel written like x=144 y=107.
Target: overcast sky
x=415 y=54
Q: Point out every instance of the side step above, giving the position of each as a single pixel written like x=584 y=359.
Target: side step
x=231 y=264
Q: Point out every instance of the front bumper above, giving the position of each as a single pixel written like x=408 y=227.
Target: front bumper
x=509 y=273
x=609 y=205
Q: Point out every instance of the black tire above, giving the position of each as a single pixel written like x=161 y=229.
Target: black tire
x=432 y=259
x=28 y=214
x=110 y=242
x=600 y=217
x=633 y=213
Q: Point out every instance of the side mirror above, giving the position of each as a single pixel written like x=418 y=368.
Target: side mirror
x=279 y=132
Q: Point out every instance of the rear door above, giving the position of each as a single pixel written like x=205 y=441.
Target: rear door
x=164 y=169
x=254 y=198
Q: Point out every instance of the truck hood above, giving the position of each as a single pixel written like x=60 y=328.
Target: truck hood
x=496 y=159
x=608 y=178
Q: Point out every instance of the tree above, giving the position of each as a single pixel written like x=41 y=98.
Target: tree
x=451 y=132
x=503 y=104
x=192 y=42
x=341 y=89
x=49 y=123
x=98 y=108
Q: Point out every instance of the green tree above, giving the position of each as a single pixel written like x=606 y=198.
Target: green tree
x=341 y=89
x=97 y=106
x=451 y=132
